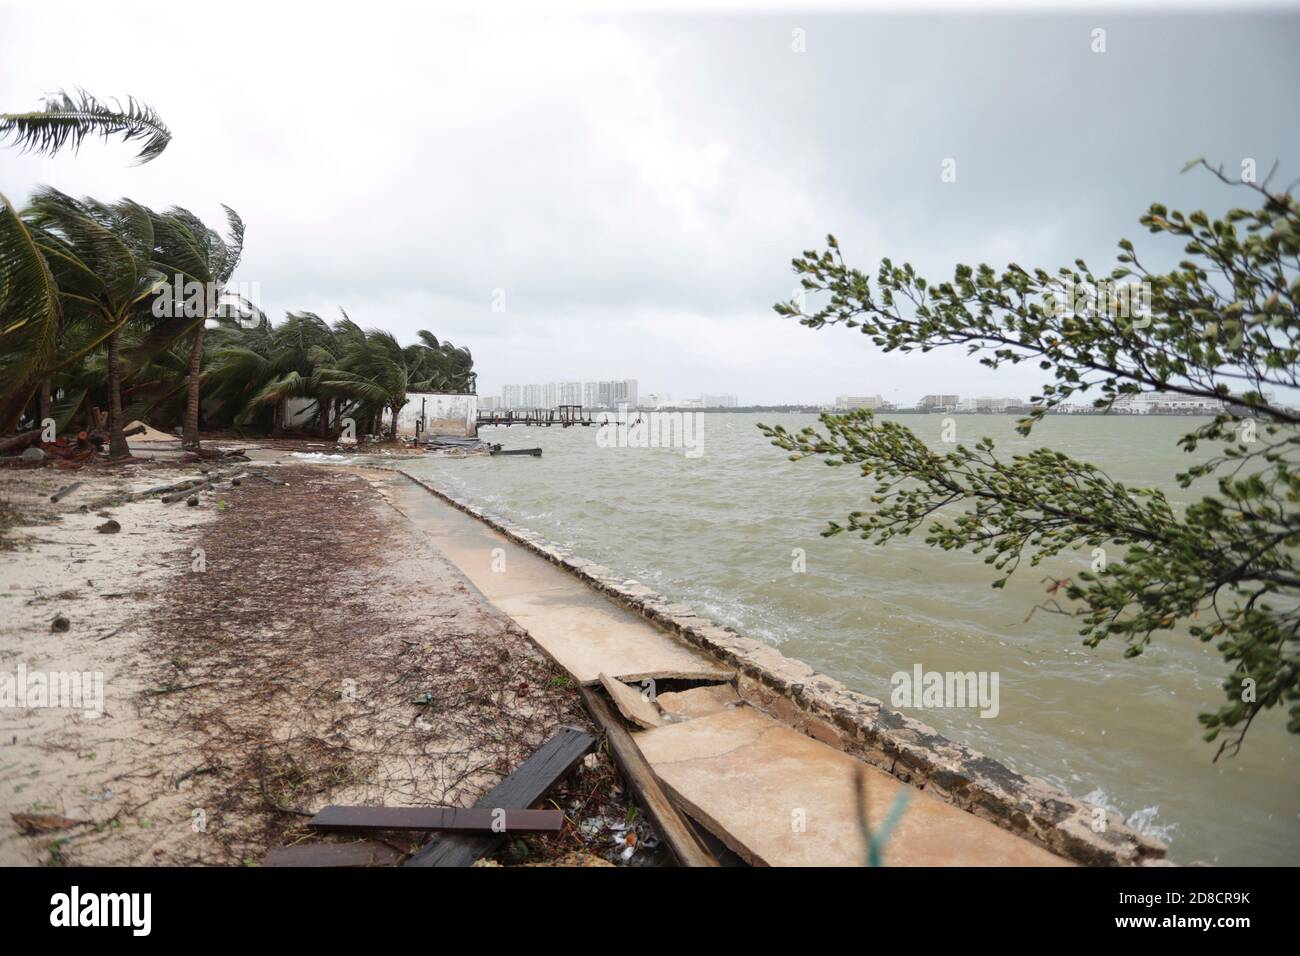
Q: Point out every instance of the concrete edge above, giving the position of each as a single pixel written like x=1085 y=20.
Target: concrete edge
x=854 y=723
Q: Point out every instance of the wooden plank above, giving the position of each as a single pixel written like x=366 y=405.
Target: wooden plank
x=673 y=828
x=433 y=819
x=366 y=853
x=531 y=781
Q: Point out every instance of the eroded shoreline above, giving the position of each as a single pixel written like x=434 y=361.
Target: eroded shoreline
x=824 y=709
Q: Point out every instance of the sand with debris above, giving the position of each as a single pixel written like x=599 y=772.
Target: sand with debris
x=273 y=650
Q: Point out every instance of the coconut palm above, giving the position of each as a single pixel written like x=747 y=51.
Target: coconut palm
x=190 y=252
x=255 y=367
x=347 y=371
x=30 y=316
x=372 y=372
x=101 y=257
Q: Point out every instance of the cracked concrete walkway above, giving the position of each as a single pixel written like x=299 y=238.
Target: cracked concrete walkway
x=775 y=796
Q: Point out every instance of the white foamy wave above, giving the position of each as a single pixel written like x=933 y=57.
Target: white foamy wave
x=1143 y=821
x=324 y=456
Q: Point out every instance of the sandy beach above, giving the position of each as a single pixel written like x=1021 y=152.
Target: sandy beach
x=272 y=650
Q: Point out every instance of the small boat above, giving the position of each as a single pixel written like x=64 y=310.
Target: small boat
x=498 y=450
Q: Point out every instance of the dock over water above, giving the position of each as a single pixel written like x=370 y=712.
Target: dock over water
x=562 y=415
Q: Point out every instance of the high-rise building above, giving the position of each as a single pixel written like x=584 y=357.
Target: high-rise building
x=511 y=396
x=570 y=393
x=550 y=395
x=532 y=396
x=850 y=403
x=622 y=392
x=718 y=401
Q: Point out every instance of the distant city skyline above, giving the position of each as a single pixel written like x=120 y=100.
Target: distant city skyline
x=625 y=215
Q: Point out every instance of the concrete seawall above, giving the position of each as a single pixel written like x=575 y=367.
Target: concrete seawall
x=861 y=726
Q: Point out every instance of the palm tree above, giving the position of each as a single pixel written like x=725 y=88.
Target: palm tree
x=373 y=373
x=441 y=366
x=189 y=251
x=101 y=258
x=257 y=366
x=348 y=371
x=30 y=315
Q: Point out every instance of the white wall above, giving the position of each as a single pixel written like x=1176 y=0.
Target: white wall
x=453 y=415
x=297 y=411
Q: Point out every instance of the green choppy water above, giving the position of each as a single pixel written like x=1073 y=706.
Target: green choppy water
x=718 y=532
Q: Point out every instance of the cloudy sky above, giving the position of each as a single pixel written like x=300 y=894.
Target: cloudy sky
x=632 y=187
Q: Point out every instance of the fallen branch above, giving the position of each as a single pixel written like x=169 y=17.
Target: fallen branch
x=66 y=490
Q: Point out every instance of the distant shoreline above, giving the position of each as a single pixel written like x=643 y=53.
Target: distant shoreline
x=817 y=410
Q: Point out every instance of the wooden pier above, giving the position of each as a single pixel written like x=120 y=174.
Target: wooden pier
x=562 y=415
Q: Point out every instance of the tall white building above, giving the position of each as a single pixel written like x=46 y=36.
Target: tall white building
x=570 y=393
x=1166 y=402
x=851 y=403
x=946 y=403
x=511 y=396
x=532 y=396
x=550 y=395
x=623 y=393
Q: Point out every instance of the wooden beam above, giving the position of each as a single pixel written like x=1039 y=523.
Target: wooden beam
x=531 y=781
x=434 y=819
x=366 y=853
x=673 y=828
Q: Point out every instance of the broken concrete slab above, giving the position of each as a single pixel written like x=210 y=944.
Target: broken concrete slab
x=631 y=704
x=779 y=798
x=861 y=726
x=585 y=634
x=698 y=701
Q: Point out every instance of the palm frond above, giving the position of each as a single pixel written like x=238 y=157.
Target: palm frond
x=30 y=314
x=67 y=120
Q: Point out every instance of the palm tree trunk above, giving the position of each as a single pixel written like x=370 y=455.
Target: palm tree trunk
x=277 y=419
x=117 y=446
x=190 y=435
x=47 y=400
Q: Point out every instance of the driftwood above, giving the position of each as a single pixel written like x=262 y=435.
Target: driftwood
x=186 y=491
x=172 y=492
x=673 y=828
x=65 y=491
x=16 y=443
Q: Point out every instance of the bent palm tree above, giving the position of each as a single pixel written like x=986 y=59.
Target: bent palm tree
x=101 y=258
x=30 y=315
x=190 y=252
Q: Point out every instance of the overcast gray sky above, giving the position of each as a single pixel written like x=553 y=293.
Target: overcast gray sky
x=636 y=184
